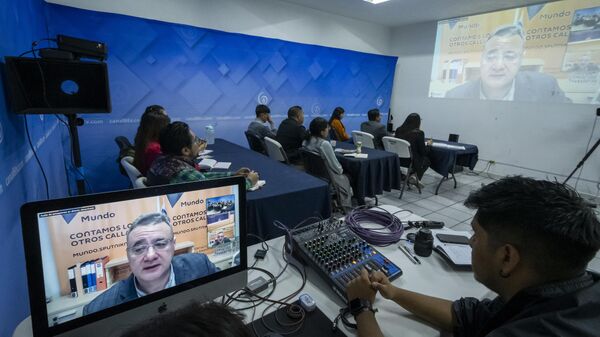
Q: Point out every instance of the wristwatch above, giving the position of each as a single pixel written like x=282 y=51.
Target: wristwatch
x=358 y=305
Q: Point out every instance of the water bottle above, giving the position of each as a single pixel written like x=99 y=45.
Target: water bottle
x=210 y=134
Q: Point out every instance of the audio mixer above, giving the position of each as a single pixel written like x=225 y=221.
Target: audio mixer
x=338 y=254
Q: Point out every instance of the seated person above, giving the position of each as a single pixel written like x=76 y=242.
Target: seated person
x=147 y=147
x=411 y=132
x=317 y=142
x=335 y=122
x=375 y=128
x=181 y=147
x=291 y=133
x=150 y=249
x=258 y=127
x=531 y=245
x=221 y=238
x=198 y=320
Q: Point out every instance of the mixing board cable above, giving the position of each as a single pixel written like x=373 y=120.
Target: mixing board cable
x=294 y=311
x=391 y=227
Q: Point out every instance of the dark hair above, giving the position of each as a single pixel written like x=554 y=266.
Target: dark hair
x=294 y=111
x=549 y=223
x=337 y=112
x=373 y=114
x=148 y=220
x=197 y=320
x=262 y=109
x=411 y=123
x=153 y=120
x=316 y=126
x=174 y=137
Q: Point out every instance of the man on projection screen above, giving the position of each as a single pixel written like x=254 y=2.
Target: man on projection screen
x=500 y=76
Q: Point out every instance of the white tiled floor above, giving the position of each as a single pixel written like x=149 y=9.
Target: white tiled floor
x=447 y=206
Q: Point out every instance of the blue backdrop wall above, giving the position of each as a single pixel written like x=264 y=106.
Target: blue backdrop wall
x=204 y=76
x=22 y=22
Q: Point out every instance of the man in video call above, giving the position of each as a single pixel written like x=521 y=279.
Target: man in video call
x=531 y=245
x=150 y=249
x=501 y=78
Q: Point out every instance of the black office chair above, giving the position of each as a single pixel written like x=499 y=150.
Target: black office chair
x=315 y=166
x=255 y=143
x=126 y=149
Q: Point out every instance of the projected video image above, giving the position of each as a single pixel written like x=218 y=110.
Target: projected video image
x=99 y=256
x=220 y=209
x=541 y=53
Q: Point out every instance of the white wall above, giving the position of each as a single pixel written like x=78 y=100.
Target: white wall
x=267 y=18
x=532 y=139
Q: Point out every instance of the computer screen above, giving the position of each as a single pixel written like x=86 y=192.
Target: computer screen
x=95 y=257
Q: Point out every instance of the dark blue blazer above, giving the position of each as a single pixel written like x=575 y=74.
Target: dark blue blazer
x=186 y=267
x=530 y=86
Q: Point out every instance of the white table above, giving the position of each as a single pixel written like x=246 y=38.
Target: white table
x=433 y=277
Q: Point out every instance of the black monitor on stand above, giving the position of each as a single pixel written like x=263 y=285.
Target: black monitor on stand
x=60 y=82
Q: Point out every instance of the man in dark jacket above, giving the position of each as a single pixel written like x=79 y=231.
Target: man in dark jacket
x=291 y=133
x=375 y=128
x=150 y=250
x=531 y=245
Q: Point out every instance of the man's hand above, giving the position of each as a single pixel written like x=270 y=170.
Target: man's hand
x=381 y=283
x=360 y=287
x=269 y=119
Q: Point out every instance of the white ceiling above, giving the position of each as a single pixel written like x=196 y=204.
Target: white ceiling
x=401 y=12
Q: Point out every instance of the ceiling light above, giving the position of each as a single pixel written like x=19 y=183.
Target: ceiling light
x=375 y=2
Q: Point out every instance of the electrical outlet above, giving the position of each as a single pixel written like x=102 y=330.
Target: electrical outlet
x=492 y=162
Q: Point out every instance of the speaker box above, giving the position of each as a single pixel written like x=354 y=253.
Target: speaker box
x=48 y=86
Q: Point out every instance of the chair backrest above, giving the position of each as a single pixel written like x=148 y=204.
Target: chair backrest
x=398 y=146
x=255 y=142
x=132 y=172
x=123 y=143
x=140 y=182
x=314 y=164
x=275 y=150
x=365 y=138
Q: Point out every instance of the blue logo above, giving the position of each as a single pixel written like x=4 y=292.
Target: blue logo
x=69 y=87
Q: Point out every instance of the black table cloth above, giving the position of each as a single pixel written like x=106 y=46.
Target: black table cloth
x=444 y=160
x=373 y=175
x=289 y=195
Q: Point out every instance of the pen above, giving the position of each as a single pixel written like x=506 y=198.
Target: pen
x=410 y=256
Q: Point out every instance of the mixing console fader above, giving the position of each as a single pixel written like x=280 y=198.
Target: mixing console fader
x=338 y=254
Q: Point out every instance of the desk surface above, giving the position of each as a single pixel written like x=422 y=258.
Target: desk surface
x=432 y=277
x=289 y=194
x=373 y=175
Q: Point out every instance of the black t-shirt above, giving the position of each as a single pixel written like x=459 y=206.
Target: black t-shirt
x=290 y=135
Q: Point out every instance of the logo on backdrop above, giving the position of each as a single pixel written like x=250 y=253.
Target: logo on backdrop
x=316 y=109
x=1 y=134
x=262 y=98
x=379 y=101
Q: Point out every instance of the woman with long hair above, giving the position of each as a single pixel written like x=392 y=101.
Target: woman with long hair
x=335 y=121
x=411 y=132
x=317 y=142
x=147 y=147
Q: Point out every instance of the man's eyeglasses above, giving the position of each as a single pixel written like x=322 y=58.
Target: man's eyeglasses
x=142 y=249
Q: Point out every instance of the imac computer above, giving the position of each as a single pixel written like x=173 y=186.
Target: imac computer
x=98 y=264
